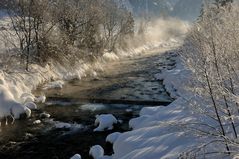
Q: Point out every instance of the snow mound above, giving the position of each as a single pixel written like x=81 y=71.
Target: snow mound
x=31 y=105
x=96 y=152
x=105 y=121
x=93 y=107
x=113 y=137
x=54 y=85
x=76 y=156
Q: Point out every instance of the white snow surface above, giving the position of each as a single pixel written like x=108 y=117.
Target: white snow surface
x=76 y=156
x=105 y=121
x=158 y=132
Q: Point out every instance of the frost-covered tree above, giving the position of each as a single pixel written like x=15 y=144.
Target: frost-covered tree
x=211 y=52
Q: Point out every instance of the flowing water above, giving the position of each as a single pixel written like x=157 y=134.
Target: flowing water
x=125 y=87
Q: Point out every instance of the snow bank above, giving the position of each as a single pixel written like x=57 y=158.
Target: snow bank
x=105 y=121
x=175 y=79
x=158 y=132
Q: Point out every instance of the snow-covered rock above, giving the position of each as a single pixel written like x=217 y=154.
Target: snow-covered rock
x=30 y=105
x=105 y=121
x=45 y=115
x=37 y=122
x=76 y=156
x=96 y=152
x=111 y=138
